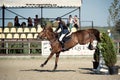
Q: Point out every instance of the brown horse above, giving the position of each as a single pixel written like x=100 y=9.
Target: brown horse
x=78 y=37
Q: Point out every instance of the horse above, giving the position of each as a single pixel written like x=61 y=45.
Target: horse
x=79 y=37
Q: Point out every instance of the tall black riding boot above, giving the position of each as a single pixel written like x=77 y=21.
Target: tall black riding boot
x=62 y=44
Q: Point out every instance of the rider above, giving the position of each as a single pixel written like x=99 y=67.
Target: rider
x=64 y=30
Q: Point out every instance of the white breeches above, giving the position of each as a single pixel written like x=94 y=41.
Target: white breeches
x=61 y=37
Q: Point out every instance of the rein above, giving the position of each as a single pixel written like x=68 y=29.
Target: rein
x=53 y=38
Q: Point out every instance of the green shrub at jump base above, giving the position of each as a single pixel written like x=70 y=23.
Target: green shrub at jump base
x=109 y=53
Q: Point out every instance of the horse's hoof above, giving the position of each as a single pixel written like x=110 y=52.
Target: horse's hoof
x=90 y=48
x=42 y=65
x=54 y=70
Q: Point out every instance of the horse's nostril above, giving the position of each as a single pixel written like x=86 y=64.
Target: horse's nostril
x=38 y=37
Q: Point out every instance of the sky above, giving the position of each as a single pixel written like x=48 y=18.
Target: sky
x=91 y=10
x=96 y=11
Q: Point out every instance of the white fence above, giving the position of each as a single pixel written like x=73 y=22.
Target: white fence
x=77 y=50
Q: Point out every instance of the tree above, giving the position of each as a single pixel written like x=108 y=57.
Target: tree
x=108 y=50
x=114 y=12
x=117 y=26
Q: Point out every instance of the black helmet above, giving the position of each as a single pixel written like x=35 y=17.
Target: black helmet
x=58 y=18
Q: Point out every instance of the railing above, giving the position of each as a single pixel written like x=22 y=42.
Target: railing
x=20 y=46
x=28 y=46
x=19 y=40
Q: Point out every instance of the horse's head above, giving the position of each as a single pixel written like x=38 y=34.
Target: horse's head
x=46 y=33
x=42 y=34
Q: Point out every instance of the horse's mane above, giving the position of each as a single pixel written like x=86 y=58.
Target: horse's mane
x=49 y=28
x=51 y=31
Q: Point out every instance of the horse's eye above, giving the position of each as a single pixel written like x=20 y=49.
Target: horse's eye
x=42 y=31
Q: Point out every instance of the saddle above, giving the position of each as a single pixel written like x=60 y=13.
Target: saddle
x=66 y=38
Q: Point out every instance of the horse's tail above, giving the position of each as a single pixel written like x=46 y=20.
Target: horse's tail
x=99 y=40
x=96 y=33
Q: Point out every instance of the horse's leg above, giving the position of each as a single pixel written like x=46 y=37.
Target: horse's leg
x=90 y=45
x=51 y=54
x=56 y=60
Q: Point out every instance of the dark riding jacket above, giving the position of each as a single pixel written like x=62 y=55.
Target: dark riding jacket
x=63 y=27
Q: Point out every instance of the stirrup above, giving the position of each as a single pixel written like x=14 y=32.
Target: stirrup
x=63 y=49
x=62 y=45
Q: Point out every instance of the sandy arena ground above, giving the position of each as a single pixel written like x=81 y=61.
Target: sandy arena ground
x=70 y=68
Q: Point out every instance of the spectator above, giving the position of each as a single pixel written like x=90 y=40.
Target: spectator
x=30 y=22
x=36 y=21
x=109 y=33
x=16 y=21
x=76 y=22
x=23 y=24
x=70 y=22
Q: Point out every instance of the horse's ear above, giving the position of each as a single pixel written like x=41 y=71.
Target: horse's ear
x=49 y=28
x=44 y=28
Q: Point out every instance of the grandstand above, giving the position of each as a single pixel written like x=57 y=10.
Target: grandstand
x=13 y=40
